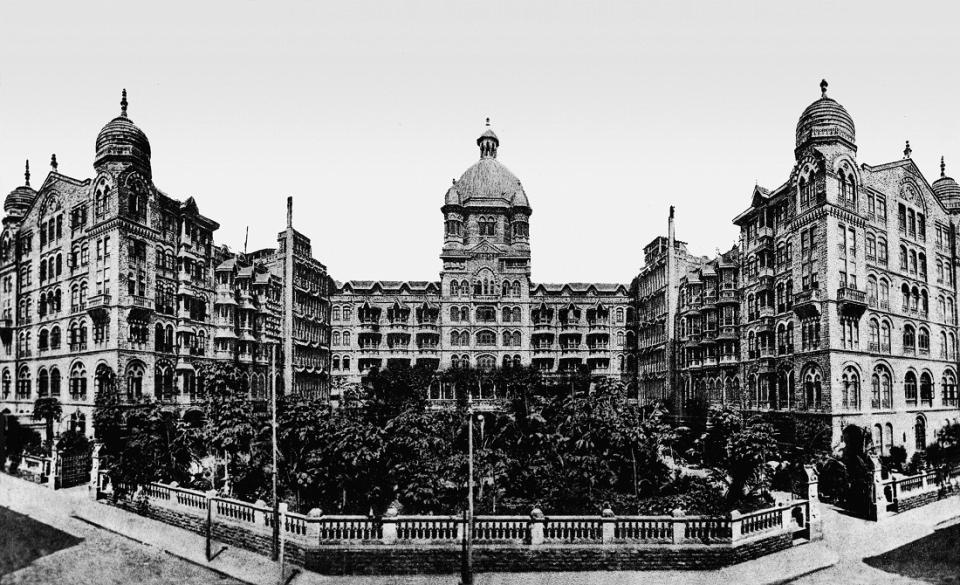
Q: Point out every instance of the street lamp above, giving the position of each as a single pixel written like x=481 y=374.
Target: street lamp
x=466 y=569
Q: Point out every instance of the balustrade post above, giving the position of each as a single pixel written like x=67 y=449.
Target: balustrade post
x=93 y=487
x=536 y=525
x=736 y=526
x=814 y=521
x=390 y=525
x=260 y=513
x=878 y=505
x=313 y=527
x=609 y=524
x=52 y=468
x=679 y=526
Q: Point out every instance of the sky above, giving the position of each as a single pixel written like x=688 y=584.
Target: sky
x=608 y=112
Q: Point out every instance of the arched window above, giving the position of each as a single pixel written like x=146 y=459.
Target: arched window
x=7 y=382
x=874 y=335
x=909 y=339
x=926 y=389
x=875 y=390
x=948 y=389
x=134 y=383
x=54 y=382
x=851 y=388
x=885 y=345
x=920 y=433
x=346 y=338
x=336 y=338
x=486 y=338
x=43 y=342
x=78 y=381
x=812 y=387
x=910 y=387
x=887 y=438
x=43 y=383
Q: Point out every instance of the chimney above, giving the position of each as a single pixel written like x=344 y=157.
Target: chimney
x=290 y=211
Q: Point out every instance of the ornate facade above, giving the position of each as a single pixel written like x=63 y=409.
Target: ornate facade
x=108 y=280
x=484 y=311
x=849 y=294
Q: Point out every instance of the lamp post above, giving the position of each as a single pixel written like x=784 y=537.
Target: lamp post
x=466 y=572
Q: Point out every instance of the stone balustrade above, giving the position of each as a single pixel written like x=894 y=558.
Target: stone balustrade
x=309 y=537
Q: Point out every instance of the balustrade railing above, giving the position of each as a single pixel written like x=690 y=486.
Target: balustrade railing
x=316 y=529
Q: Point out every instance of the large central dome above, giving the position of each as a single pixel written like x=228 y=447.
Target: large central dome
x=487 y=182
x=121 y=140
x=825 y=120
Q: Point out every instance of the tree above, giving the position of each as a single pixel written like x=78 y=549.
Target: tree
x=229 y=424
x=737 y=451
x=48 y=409
x=15 y=439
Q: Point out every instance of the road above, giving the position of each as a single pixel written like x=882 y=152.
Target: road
x=43 y=544
x=854 y=540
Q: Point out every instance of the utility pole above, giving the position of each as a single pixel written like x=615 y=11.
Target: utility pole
x=273 y=429
x=466 y=577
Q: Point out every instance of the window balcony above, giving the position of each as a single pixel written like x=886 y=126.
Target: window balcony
x=729 y=297
x=853 y=302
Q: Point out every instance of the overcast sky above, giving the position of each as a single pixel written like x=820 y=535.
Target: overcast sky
x=608 y=112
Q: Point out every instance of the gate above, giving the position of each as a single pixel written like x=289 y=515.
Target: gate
x=73 y=470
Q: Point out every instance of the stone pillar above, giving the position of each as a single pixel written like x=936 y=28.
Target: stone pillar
x=736 y=525
x=679 y=526
x=260 y=513
x=54 y=469
x=93 y=486
x=609 y=523
x=313 y=527
x=390 y=525
x=814 y=521
x=537 y=521
x=878 y=500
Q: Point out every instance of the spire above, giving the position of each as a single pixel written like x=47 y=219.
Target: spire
x=823 y=88
x=907 y=151
x=123 y=104
x=26 y=174
x=943 y=168
x=53 y=162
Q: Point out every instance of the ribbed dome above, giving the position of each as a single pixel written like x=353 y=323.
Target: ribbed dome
x=825 y=120
x=946 y=189
x=20 y=199
x=121 y=140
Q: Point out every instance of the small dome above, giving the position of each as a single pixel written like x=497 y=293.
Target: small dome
x=825 y=120
x=946 y=189
x=520 y=199
x=121 y=140
x=453 y=196
x=20 y=199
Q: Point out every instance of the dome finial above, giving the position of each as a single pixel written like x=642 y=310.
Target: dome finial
x=943 y=167
x=26 y=174
x=823 y=88
x=488 y=121
x=907 y=151
x=123 y=104
x=53 y=162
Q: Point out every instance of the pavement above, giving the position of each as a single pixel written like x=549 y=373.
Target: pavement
x=61 y=508
x=855 y=539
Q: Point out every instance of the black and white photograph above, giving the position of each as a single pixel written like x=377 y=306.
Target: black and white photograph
x=276 y=309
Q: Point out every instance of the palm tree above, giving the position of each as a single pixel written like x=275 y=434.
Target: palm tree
x=48 y=409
